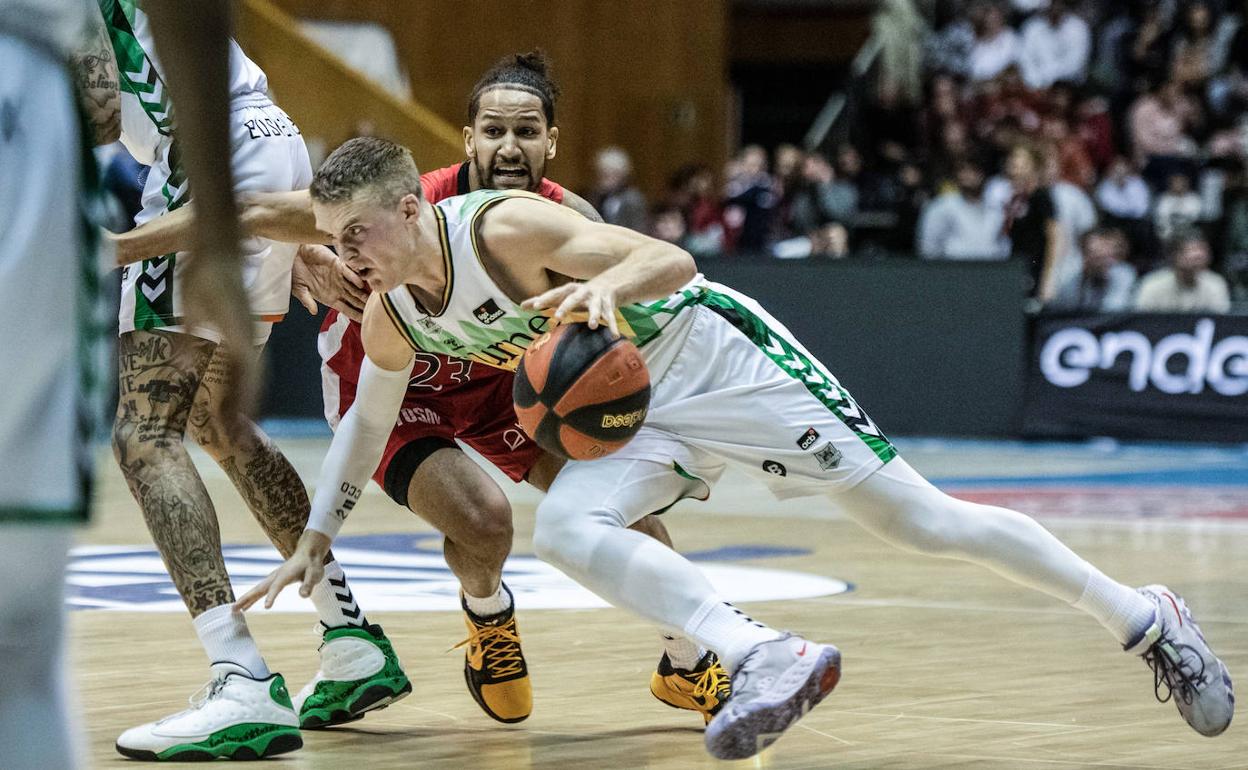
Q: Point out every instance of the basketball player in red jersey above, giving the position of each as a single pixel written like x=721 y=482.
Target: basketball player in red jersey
x=510 y=137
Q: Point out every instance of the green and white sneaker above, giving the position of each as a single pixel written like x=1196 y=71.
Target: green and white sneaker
x=233 y=716
x=359 y=673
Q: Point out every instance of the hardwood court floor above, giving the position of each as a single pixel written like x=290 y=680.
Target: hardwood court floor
x=945 y=665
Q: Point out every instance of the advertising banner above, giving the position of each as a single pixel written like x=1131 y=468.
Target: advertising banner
x=1164 y=377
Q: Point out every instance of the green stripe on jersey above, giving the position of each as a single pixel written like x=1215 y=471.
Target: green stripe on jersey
x=798 y=365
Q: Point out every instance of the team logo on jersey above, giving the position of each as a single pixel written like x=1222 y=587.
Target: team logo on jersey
x=775 y=468
x=808 y=439
x=829 y=457
x=489 y=312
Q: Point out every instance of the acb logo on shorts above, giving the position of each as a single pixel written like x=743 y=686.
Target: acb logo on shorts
x=808 y=439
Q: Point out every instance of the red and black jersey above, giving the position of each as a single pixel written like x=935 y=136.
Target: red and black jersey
x=453 y=180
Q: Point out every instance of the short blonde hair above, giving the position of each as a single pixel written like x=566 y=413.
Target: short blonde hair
x=377 y=166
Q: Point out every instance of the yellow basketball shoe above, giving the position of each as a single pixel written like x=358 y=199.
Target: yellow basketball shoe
x=705 y=689
x=494 y=666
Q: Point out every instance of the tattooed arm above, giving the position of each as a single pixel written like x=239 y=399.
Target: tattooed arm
x=95 y=68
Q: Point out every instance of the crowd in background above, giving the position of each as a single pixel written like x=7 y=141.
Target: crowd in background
x=1104 y=144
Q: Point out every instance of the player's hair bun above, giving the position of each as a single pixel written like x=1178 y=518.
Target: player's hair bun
x=535 y=60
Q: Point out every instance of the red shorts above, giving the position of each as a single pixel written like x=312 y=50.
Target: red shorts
x=447 y=398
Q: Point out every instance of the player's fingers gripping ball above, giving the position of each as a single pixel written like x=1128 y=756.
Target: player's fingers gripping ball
x=581 y=394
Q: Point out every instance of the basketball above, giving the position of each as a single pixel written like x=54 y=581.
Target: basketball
x=581 y=394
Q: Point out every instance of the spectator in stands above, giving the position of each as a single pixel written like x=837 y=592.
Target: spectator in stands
x=693 y=192
x=948 y=48
x=615 y=196
x=1055 y=46
x=750 y=201
x=1075 y=214
x=1160 y=123
x=822 y=197
x=1094 y=125
x=1201 y=49
x=1104 y=283
x=1178 y=208
x=1122 y=193
x=954 y=147
x=1188 y=285
x=1227 y=93
x=1073 y=164
x=961 y=224
x=996 y=44
x=786 y=181
x=1147 y=51
x=1030 y=217
x=668 y=224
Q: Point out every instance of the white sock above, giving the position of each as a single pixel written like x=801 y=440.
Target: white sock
x=1122 y=610
x=495 y=604
x=728 y=631
x=682 y=652
x=335 y=604
x=224 y=635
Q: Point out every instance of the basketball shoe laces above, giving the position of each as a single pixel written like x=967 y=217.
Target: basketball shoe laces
x=496 y=648
x=1172 y=669
x=204 y=694
x=710 y=681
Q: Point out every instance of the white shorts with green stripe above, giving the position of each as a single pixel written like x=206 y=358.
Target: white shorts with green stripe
x=269 y=155
x=740 y=389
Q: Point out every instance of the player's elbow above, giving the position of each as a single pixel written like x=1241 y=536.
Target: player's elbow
x=109 y=132
x=683 y=268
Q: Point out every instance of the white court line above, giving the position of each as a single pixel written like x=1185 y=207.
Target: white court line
x=825 y=735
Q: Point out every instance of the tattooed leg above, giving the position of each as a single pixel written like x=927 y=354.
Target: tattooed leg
x=261 y=473
x=159 y=375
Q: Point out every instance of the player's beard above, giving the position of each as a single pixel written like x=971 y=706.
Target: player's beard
x=491 y=181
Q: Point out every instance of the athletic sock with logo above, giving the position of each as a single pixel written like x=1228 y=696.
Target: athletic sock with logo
x=223 y=633
x=727 y=630
x=335 y=603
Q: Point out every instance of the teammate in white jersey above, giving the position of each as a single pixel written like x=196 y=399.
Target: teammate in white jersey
x=766 y=404
x=49 y=266
x=173 y=377
x=47 y=292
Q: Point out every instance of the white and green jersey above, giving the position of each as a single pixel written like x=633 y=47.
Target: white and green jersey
x=146 y=112
x=480 y=323
x=267 y=155
x=728 y=382
x=60 y=25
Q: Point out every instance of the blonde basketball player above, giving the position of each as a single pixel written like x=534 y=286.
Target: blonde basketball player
x=430 y=266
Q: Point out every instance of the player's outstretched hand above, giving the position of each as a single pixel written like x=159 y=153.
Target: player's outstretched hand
x=305 y=566
x=591 y=299
x=320 y=276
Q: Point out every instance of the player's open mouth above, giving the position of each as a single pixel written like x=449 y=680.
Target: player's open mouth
x=511 y=173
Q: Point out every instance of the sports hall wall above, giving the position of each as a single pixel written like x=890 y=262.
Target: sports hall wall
x=655 y=77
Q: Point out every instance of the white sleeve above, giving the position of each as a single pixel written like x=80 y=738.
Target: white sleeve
x=357 y=446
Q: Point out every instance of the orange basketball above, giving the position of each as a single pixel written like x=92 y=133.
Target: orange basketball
x=579 y=393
